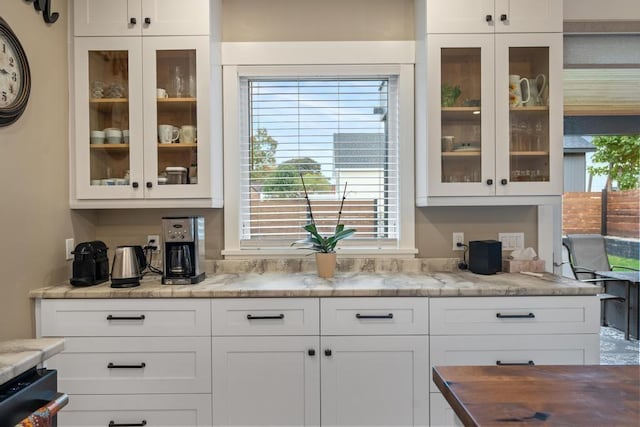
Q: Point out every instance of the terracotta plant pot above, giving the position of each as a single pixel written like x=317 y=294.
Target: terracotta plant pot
x=326 y=264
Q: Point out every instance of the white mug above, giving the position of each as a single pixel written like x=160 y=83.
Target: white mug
x=168 y=134
x=515 y=90
x=161 y=93
x=114 y=135
x=188 y=134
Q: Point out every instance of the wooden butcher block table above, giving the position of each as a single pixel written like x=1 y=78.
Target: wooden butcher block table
x=591 y=395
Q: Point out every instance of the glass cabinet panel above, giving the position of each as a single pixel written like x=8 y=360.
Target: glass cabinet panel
x=176 y=109
x=108 y=137
x=460 y=115
x=529 y=114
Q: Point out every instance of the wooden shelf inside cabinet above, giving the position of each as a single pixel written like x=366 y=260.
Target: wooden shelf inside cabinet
x=534 y=108
x=177 y=146
x=174 y=101
x=461 y=113
x=109 y=147
x=461 y=154
x=106 y=104
x=530 y=153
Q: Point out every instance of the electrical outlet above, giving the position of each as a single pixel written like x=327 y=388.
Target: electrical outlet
x=69 y=246
x=156 y=241
x=511 y=241
x=458 y=238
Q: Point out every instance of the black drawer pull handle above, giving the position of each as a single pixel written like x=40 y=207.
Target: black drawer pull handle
x=529 y=363
x=374 y=316
x=133 y=21
x=488 y=18
x=489 y=181
x=327 y=352
x=112 y=366
x=147 y=20
x=503 y=17
x=504 y=181
x=115 y=424
x=112 y=317
x=311 y=352
x=277 y=316
x=515 y=316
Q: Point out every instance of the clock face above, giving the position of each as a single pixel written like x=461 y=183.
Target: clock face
x=11 y=78
x=15 y=77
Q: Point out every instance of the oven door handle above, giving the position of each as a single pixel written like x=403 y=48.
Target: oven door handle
x=43 y=414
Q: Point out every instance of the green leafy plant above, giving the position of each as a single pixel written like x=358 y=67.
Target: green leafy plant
x=449 y=94
x=621 y=155
x=317 y=242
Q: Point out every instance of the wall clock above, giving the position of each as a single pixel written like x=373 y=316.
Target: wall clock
x=15 y=76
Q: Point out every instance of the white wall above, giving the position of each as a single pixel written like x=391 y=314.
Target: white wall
x=601 y=10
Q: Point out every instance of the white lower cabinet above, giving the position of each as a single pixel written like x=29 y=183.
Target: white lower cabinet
x=541 y=330
x=266 y=380
x=137 y=410
x=131 y=362
x=375 y=380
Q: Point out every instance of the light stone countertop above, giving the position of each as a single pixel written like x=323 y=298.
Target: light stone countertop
x=297 y=278
x=20 y=355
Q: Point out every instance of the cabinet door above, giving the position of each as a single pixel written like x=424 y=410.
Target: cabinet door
x=375 y=381
x=529 y=114
x=461 y=115
x=176 y=117
x=526 y=16
x=107 y=18
x=174 y=18
x=260 y=381
x=108 y=118
x=460 y=16
x=441 y=414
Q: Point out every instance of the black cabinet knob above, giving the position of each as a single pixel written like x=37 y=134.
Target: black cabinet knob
x=133 y=21
x=489 y=181
x=503 y=17
x=327 y=352
x=311 y=352
x=488 y=18
x=149 y=184
x=135 y=184
x=504 y=181
x=147 y=20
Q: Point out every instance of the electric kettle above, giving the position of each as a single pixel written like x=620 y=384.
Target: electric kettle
x=128 y=264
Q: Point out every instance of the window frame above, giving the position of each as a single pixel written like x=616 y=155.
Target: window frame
x=232 y=105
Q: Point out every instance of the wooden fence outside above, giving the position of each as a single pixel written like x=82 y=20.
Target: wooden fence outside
x=613 y=213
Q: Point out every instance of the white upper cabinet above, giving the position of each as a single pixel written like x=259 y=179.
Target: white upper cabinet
x=493 y=16
x=147 y=110
x=141 y=17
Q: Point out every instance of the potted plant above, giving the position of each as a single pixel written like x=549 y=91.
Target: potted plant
x=324 y=246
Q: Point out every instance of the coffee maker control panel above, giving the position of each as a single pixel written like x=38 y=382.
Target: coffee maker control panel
x=179 y=230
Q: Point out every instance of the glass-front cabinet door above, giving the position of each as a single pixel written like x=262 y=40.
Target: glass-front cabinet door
x=460 y=121
x=176 y=117
x=528 y=114
x=108 y=106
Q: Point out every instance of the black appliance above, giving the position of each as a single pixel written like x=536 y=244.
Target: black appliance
x=26 y=393
x=485 y=256
x=90 y=264
x=183 y=250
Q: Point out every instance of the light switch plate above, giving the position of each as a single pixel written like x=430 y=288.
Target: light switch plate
x=69 y=246
x=511 y=241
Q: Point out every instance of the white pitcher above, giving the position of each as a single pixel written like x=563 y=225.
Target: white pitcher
x=535 y=90
x=515 y=90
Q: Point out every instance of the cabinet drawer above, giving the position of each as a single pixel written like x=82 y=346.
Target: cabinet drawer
x=374 y=316
x=514 y=315
x=134 y=365
x=155 y=410
x=265 y=316
x=125 y=317
x=581 y=349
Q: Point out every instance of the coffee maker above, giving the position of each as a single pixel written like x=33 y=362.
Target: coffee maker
x=183 y=250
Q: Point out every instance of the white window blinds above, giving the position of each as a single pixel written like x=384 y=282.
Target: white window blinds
x=332 y=132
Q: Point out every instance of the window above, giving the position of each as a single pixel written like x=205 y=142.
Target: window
x=339 y=134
